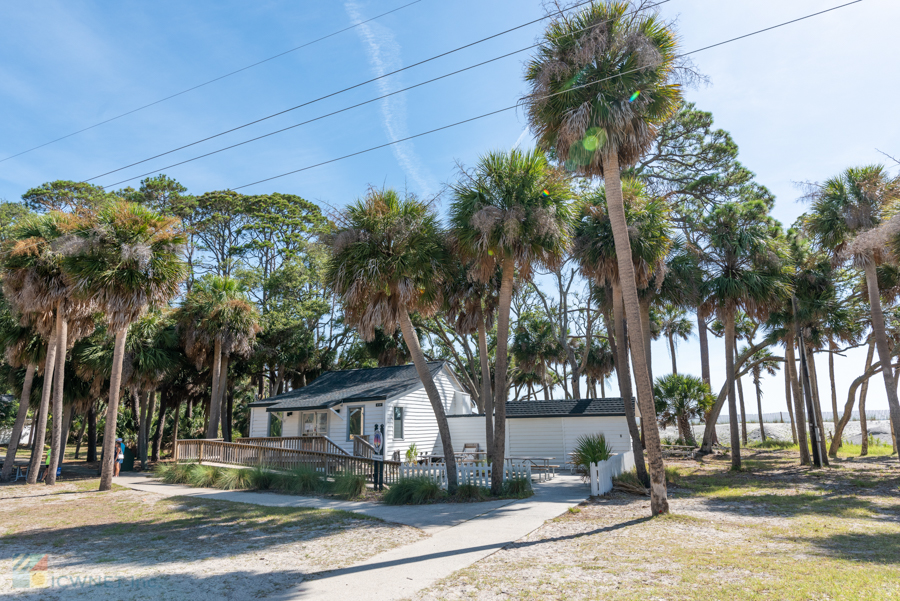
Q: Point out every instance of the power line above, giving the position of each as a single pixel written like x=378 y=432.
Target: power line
x=205 y=83
x=728 y=41
x=353 y=87
x=277 y=131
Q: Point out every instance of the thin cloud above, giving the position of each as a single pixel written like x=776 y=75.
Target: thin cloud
x=384 y=56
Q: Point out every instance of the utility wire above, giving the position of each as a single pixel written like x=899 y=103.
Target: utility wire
x=277 y=131
x=265 y=60
x=353 y=87
x=728 y=41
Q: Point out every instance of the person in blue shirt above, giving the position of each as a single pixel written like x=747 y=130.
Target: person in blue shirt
x=120 y=456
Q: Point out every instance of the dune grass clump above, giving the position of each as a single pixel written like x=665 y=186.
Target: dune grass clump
x=173 y=473
x=517 y=488
x=237 y=479
x=472 y=492
x=204 y=476
x=301 y=479
x=349 y=486
x=413 y=491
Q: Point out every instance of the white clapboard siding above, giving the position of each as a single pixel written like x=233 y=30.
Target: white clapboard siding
x=419 y=422
x=537 y=437
x=615 y=429
x=337 y=426
x=259 y=422
x=467 y=430
x=290 y=425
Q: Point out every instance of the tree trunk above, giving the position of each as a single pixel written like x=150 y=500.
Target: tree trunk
x=684 y=428
x=91 y=456
x=788 y=398
x=68 y=416
x=112 y=411
x=151 y=409
x=223 y=386
x=817 y=405
x=176 y=417
x=56 y=442
x=80 y=438
x=623 y=372
x=863 y=393
x=21 y=417
x=730 y=378
x=799 y=413
x=762 y=428
x=160 y=426
x=616 y=206
x=884 y=355
x=672 y=351
x=501 y=365
x=848 y=406
x=740 y=389
x=39 y=422
x=704 y=349
x=602 y=388
x=212 y=429
x=645 y=331
x=418 y=357
x=229 y=413
x=487 y=395
x=834 y=407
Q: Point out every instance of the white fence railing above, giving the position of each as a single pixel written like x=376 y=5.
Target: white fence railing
x=479 y=475
x=602 y=473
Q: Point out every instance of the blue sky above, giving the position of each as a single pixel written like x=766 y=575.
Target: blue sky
x=802 y=102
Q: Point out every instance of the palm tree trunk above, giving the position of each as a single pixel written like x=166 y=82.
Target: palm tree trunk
x=799 y=413
x=863 y=393
x=704 y=348
x=212 y=428
x=68 y=417
x=881 y=344
x=732 y=400
x=684 y=428
x=616 y=207
x=21 y=416
x=56 y=442
x=39 y=423
x=788 y=398
x=91 y=455
x=762 y=428
x=80 y=438
x=501 y=367
x=834 y=407
x=418 y=357
x=671 y=338
x=602 y=388
x=645 y=330
x=817 y=406
x=160 y=426
x=142 y=426
x=620 y=349
x=176 y=417
x=223 y=385
x=112 y=411
x=150 y=402
x=740 y=389
x=487 y=396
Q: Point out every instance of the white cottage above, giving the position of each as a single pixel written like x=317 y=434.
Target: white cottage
x=345 y=404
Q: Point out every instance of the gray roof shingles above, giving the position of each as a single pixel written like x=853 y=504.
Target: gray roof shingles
x=566 y=408
x=336 y=387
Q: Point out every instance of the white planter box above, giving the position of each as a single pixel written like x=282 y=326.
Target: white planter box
x=602 y=473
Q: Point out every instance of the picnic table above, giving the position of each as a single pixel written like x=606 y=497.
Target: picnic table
x=539 y=465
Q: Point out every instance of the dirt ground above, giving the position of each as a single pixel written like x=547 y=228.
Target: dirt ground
x=126 y=544
x=773 y=531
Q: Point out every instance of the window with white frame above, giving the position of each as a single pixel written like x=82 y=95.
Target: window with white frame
x=398 y=423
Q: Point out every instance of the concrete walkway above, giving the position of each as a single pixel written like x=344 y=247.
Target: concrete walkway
x=460 y=535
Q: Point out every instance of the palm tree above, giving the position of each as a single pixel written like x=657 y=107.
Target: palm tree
x=534 y=347
x=763 y=361
x=129 y=261
x=600 y=89
x=511 y=214
x=745 y=273
x=674 y=324
x=595 y=251
x=846 y=210
x=217 y=316
x=680 y=398
x=388 y=260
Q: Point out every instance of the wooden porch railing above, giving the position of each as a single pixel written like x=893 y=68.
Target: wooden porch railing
x=362 y=447
x=243 y=454
x=318 y=444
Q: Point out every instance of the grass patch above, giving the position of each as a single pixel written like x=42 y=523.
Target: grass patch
x=413 y=491
x=349 y=486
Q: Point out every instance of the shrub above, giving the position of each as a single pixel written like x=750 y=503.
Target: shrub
x=301 y=479
x=591 y=448
x=413 y=491
x=174 y=473
x=471 y=492
x=518 y=488
x=412 y=453
x=349 y=486
x=261 y=477
x=629 y=482
x=204 y=476
x=236 y=479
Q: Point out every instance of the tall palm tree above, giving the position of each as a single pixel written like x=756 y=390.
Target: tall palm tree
x=674 y=324
x=680 y=398
x=846 y=210
x=600 y=89
x=746 y=272
x=595 y=251
x=535 y=347
x=128 y=261
x=511 y=213
x=217 y=316
x=763 y=361
x=388 y=260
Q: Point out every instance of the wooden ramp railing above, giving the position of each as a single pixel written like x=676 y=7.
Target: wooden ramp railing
x=318 y=444
x=248 y=455
x=362 y=447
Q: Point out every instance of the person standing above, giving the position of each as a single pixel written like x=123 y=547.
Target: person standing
x=378 y=457
x=120 y=456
